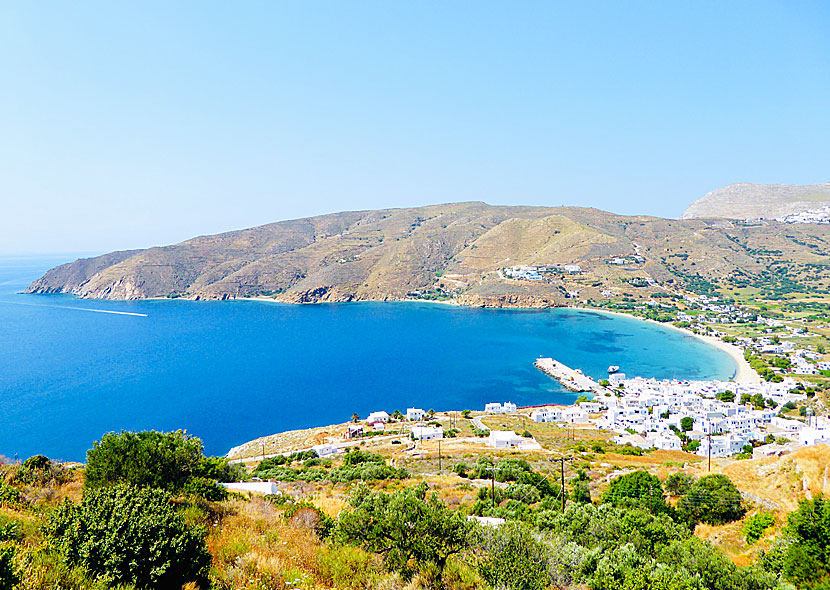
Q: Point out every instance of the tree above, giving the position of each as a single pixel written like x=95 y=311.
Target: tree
x=510 y=557
x=129 y=535
x=687 y=423
x=726 y=396
x=413 y=532
x=171 y=461
x=712 y=499
x=679 y=484
x=805 y=548
x=637 y=489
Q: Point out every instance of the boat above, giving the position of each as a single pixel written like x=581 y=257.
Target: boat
x=613 y=369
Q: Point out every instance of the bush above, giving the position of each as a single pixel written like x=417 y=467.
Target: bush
x=687 y=423
x=509 y=557
x=9 y=576
x=804 y=558
x=168 y=461
x=756 y=524
x=679 y=484
x=10 y=496
x=712 y=499
x=129 y=535
x=637 y=489
x=40 y=470
x=346 y=567
x=411 y=531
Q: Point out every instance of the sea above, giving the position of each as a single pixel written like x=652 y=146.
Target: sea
x=228 y=372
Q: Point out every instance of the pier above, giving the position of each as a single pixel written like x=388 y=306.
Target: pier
x=569 y=378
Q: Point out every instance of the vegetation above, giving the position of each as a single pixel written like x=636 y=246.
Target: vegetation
x=414 y=532
x=712 y=499
x=170 y=461
x=129 y=535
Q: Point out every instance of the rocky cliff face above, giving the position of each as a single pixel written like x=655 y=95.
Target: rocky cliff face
x=755 y=201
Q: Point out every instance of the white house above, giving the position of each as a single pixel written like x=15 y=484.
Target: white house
x=268 y=488
x=415 y=414
x=546 y=415
x=497 y=408
x=324 y=450
x=503 y=439
x=574 y=415
x=427 y=432
x=573 y=269
x=378 y=417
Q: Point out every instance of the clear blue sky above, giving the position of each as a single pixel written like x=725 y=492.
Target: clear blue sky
x=130 y=124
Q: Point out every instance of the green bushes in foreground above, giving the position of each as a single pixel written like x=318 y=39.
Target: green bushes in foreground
x=129 y=535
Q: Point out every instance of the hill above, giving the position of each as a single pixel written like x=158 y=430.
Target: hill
x=754 y=201
x=458 y=251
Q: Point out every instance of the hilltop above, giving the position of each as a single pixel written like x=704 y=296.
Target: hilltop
x=754 y=201
x=459 y=251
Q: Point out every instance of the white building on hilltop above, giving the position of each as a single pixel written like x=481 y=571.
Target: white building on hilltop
x=415 y=414
x=427 y=432
x=497 y=408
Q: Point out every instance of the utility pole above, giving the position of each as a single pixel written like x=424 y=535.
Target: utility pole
x=709 y=453
x=439 y=456
x=493 y=483
x=562 y=475
x=263 y=451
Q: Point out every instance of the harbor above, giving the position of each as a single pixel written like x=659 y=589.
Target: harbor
x=571 y=379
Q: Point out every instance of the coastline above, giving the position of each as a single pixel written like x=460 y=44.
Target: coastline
x=743 y=373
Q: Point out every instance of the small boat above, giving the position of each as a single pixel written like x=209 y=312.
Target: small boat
x=613 y=369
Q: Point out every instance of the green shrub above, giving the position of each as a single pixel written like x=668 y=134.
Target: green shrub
x=712 y=499
x=129 y=535
x=171 y=461
x=679 y=484
x=413 y=532
x=9 y=576
x=756 y=524
x=509 y=557
x=10 y=496
x=347 y=567
x=802 y=554
x=637 y=489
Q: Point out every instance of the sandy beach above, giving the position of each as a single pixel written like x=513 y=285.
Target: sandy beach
x=743 y=374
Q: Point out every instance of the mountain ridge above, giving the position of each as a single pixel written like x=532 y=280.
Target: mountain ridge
x=451 y=251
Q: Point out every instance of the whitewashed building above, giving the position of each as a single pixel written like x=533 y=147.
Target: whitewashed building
x=415 y=414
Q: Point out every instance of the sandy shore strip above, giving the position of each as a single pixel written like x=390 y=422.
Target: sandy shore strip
x=743 y=374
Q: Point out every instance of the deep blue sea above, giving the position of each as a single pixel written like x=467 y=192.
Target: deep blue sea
x=229 y=372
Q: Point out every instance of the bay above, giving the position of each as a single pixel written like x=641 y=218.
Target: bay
x=228 y=372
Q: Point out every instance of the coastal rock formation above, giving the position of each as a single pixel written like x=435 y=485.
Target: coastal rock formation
x=755 y=201
x=458 y=252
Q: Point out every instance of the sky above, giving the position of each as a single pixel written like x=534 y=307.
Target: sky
x=133 y=124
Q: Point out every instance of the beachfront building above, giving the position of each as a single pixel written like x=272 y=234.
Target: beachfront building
x=415 y=414
x=427 y=433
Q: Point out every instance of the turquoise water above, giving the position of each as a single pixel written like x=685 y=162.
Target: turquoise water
x=229 y=372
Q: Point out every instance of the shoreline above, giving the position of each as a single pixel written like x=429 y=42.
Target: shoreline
x=743 y=372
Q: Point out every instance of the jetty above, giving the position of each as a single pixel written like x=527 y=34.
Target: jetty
x=571 y=379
